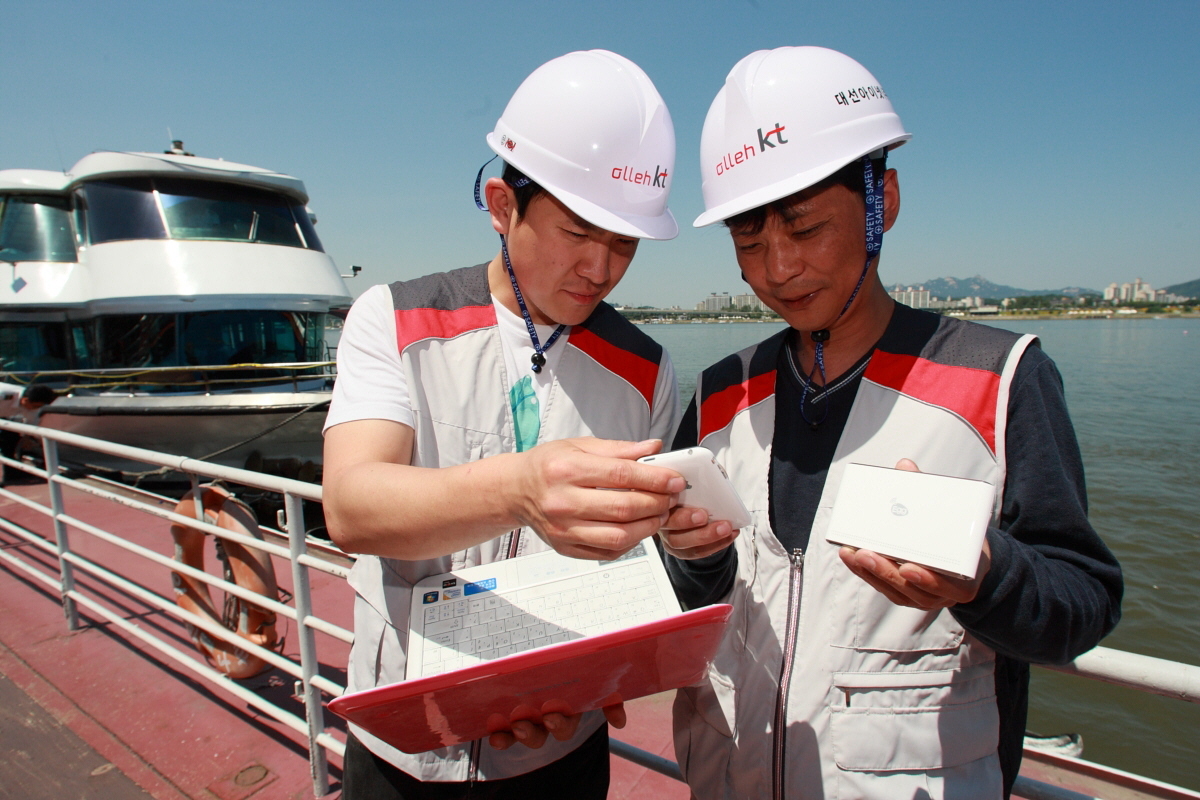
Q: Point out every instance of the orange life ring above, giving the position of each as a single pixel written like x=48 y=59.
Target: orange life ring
x=247 y=567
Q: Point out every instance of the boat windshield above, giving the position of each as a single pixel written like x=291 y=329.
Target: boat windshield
x=175 y=208
x=202 y=348
x=36 y=228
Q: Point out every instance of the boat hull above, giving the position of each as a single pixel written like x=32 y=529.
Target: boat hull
x=274 y=432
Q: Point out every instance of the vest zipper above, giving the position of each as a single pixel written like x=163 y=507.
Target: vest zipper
x=514 y=542
x=785 y=676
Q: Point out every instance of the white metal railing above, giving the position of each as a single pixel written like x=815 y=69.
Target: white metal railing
x=1144 y=673
x=297 y=552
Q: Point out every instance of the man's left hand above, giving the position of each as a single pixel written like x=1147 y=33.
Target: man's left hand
x=559 y=725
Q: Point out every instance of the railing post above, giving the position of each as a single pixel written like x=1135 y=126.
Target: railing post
x=65 y=570
x=314 y=712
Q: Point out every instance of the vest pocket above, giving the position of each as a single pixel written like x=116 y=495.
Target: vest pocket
x=918 y=721
x=383 y=591
x=714 y=702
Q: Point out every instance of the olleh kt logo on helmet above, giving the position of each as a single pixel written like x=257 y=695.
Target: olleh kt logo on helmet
x=657 y=178
x=731 y=160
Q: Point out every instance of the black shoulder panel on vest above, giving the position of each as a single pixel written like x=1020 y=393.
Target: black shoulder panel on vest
x=958 y=343
x=444 y=291
x=743 y=365
x=607 y=323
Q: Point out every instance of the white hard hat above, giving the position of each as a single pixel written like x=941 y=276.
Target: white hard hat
x=786 y=119
x=592 y=130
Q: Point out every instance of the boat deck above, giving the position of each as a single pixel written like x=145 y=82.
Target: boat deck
x=94 y=714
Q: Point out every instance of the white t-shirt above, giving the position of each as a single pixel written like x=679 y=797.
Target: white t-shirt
x=371 y=383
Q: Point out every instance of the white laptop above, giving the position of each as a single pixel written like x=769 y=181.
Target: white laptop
x=933 y=520
x=542 y=633
x=494 y=610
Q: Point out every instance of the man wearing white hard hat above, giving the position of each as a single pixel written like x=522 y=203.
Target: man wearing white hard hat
x=462 y=419
x=846 y=674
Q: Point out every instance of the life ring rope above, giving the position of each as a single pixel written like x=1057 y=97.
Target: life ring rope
x=248 y=595
x=250 y=540
x=246 y=613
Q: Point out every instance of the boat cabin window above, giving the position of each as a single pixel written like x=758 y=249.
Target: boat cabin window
x=174 y=208
x=27 y=346
x=136 y=340
x=36 y=228
x=251 y=337
x=169 y=352
x=207 y=338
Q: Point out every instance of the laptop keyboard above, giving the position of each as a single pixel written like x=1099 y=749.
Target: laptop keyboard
x=485 y=624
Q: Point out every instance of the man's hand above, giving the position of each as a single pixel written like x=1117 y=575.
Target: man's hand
x=907 y=584
x=689 y=533
x=524 y=726
x=567 y=495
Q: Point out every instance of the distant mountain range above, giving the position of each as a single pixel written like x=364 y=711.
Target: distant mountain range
x=980 y=286
x=1188 y=289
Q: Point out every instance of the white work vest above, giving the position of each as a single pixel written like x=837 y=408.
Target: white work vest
x=882 y=701
x=603 y=386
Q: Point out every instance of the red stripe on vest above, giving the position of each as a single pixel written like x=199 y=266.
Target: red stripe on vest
x=641 y=373
x=719 y=409
x=416 y=324
x=970 y=393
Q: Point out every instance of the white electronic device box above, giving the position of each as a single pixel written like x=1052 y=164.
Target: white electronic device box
x=936 y=521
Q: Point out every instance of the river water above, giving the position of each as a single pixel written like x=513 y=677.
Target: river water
x=1132 y=387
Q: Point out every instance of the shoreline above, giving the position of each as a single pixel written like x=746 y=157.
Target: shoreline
x=686 y=320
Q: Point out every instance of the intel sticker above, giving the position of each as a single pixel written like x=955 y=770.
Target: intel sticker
x=480 y=586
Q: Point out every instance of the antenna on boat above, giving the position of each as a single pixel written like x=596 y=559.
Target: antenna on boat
x=353 y=272
x=176 y=147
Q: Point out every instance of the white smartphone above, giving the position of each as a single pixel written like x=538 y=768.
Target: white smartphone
x=708 y=486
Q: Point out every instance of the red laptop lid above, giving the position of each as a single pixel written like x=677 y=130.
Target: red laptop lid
x=568 y=677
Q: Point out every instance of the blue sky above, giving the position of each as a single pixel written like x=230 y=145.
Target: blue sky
x=1054 y=144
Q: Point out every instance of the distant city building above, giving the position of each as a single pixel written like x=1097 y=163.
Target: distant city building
x=920 y=298
x=916 y=298
x=715 y=302
x=750 y=301
x=1137 y=292
x=723 y=301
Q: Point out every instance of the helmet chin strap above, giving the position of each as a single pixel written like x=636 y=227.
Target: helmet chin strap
x=874 y=203
x=538 y=359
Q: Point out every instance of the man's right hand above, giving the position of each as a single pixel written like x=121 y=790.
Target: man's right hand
x=587 y=498
x=567 y=495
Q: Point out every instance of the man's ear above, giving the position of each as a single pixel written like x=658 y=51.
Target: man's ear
x=502 y=204
x=891 y=198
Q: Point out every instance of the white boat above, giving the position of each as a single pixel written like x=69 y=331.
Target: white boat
x=175 y=303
